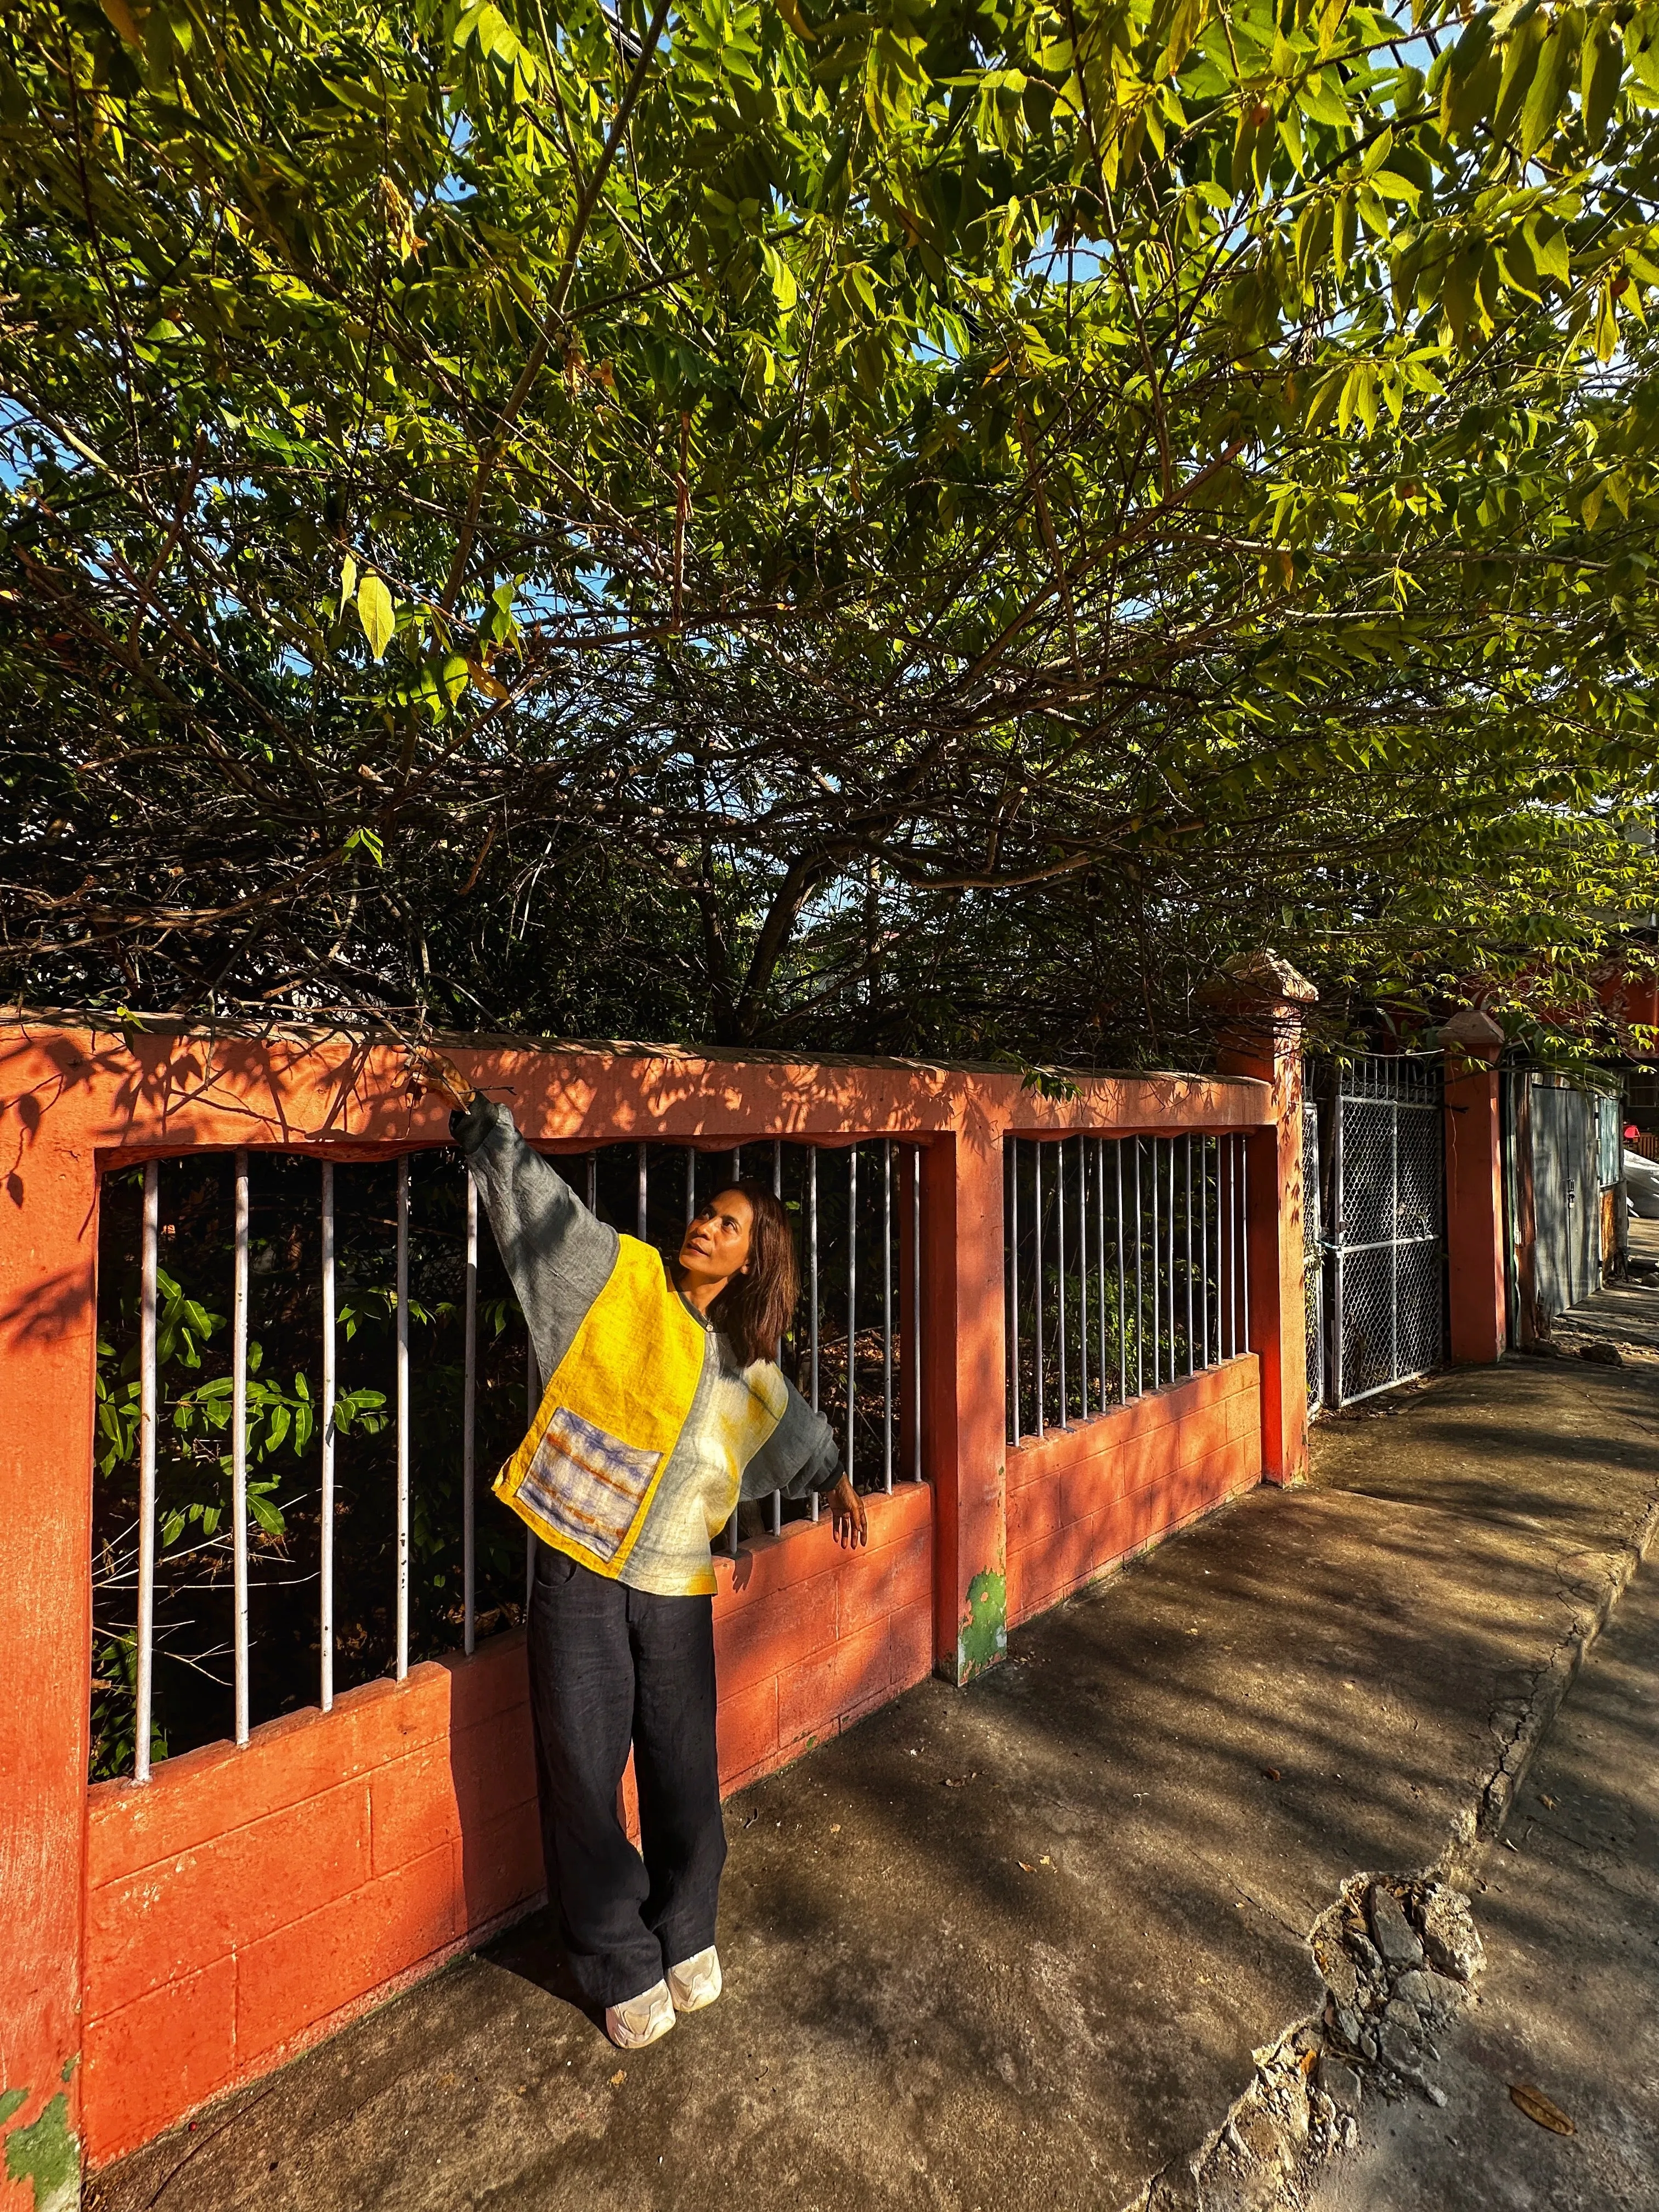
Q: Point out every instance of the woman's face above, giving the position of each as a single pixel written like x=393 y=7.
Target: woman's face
x=716 y=1243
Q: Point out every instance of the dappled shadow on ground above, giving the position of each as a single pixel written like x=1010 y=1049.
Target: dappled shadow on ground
x=1013 y=1947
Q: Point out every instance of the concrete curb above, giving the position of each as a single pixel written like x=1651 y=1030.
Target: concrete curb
x=1283 y=2126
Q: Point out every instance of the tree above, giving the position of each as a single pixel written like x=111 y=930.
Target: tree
x=924 y=527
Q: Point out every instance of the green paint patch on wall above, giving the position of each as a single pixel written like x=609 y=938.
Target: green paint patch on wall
x=982 y=1638
x=45 y=2154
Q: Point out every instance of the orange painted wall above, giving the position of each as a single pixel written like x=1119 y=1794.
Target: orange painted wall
x=168 y=1940
x=1083 y=1498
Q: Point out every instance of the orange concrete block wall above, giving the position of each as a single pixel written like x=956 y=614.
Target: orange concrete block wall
x=244 y=1903
x=1083 y=1498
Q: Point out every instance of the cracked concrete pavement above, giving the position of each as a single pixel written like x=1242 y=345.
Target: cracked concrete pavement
x=1013 y=1946
x=1568 y=1909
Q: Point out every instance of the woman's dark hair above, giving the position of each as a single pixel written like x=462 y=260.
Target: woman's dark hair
x=755 y=1308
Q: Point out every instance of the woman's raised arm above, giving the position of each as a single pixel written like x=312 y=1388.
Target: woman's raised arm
x=557 y=1255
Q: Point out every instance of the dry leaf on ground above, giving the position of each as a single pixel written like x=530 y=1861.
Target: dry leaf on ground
x=1537 y=2106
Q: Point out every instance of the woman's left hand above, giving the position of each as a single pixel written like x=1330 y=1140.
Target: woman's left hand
x=848 y=1521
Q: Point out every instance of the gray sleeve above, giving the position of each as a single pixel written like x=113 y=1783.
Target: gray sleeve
x=798 y=1457
x=557 y=1255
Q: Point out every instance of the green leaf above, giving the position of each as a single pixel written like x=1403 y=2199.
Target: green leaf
x=1546 y=95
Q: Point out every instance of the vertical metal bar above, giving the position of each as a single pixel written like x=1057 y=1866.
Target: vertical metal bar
x=737 y=1163
x=1059 y=1266
x=1169 y=1250
x=691 y=1183
x=1083 y=1276
x=851 y=1292
x=1204 y=1247
x=469 y=1431
x=1232 y=1250
x=239 y=1451
x=1013 y=1274
x=812 y=1281
x=1244 y=1231
x=1140 y=1288
x=642 y=1205
x=1156 y=1303
x=325 y=1508
x=887 y=1312
x=1122 y=1316
x=532 y=1397
x=402 y=1416
x=777 y=1192
x=1100 y=1244
x=592 y=1182
x=1036 y=1334
x=1187 y=1238
x=914 y=1349
x=144 y=1656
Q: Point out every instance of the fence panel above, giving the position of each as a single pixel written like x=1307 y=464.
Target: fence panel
x=1126 y=1269
x=292 y=1538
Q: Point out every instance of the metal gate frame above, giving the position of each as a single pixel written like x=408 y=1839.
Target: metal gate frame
x=1406 y=1085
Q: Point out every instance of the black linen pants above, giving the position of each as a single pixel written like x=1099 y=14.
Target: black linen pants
x=610 y=1666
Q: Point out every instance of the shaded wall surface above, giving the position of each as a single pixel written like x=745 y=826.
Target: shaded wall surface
x=174 y=1938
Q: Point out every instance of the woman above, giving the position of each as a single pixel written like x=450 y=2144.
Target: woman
x=664 y=1405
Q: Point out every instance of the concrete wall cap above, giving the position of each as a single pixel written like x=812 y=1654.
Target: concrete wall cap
x=1474 y=1033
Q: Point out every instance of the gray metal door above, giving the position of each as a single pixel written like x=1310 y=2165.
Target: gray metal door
x=1386 y=1249
x=1566 y=1194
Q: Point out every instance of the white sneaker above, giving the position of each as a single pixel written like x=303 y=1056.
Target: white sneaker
x=644 y=2019
x=696 y=1983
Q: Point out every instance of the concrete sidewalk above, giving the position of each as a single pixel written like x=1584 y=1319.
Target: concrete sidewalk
x=1013 y=1947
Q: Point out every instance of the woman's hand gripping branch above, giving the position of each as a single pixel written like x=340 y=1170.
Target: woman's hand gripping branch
x=430 y=1071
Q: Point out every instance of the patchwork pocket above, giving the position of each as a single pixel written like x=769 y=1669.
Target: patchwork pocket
x=587 y=1484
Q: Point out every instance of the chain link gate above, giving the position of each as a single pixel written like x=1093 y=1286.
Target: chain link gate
x=1313 y=1252
x=1383 y=1283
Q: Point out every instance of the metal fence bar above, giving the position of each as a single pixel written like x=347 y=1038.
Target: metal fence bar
x=403 y=1418
x=1157 y=1318
x=777 y=1192
x=914 y=1348
x=325 y=1506
x=1244 y=1231
x=1122 y=1313
x=1059 y=1266
x=690 y=1184
x=1013 y=1275
x=887 y=1312
x=592 y=1182
x=1169 y=1241
x=812 y=1280
x=1083 y=1275
x=851 y=1292
x=641 y=1211
x=469 y=1432
x=1100 y=1255
x=1187 y=1241
x=144 y=1653
x=1140 y=1293
x=1232 y=1247
x=1036 y=1333
x=238 y=1452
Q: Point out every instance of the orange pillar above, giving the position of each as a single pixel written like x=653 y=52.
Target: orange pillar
x=1474 y=1213
x=961 y=1359
x=48 y=1316
x=1260 y=1000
